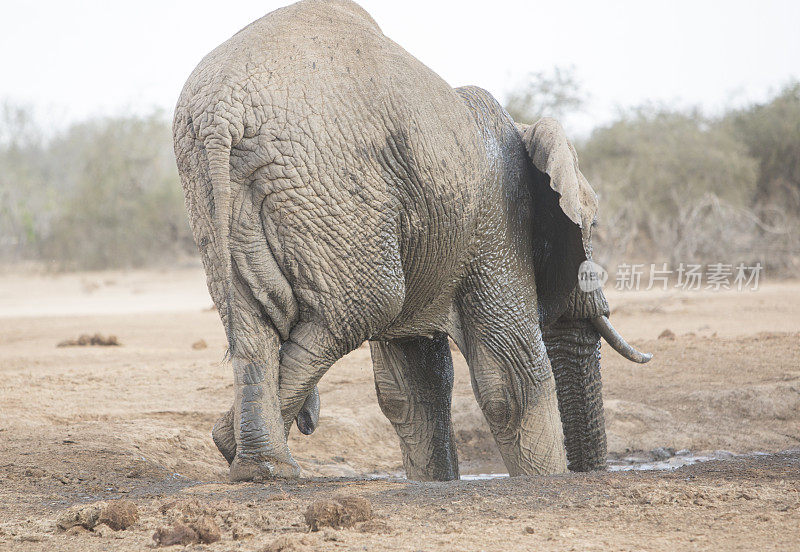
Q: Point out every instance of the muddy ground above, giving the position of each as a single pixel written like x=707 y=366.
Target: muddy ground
x=82 y=424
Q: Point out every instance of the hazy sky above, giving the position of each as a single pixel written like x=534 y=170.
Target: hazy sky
x=72 y=59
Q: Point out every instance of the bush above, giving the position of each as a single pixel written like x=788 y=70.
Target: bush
x=771 y=134
x=661 y=177
x=674 y=185
x=24 y=197
x=103 y=194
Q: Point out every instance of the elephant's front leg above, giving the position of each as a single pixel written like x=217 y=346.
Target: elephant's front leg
x=414 y=382
x=511 y=377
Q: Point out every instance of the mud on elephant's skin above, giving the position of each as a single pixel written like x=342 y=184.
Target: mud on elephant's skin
x=340 y=191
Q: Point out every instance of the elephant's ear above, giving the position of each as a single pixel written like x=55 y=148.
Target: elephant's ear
x=564 y=207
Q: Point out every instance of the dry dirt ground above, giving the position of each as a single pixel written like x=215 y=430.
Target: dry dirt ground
x=84 y=424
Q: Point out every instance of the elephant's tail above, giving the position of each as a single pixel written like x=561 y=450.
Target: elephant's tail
x=228 y=230
x=203 y=158
x=218 y=153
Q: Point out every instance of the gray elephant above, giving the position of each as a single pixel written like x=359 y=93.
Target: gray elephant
x=340 y=191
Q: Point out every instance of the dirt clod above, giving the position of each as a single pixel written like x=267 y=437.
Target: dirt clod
x=84 y=515
x=667 y=334
x=192 y=521
x=86 y=340
x=341 y=511
x=376 y=526
x=239 y=532
x=34 y=472
x=177 y=533
x=290 y=543
x=199 y=345
x=119 y=514
x=207 y=529
x=189 y=507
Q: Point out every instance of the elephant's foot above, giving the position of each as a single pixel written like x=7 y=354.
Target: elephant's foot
x=225 y=437
x=260 y=452
x=224 y=434
x=256 y=468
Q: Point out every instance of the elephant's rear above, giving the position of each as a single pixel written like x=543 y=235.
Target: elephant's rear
x=217 y=117
x=334 y=136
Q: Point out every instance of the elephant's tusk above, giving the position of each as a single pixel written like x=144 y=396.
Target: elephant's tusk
x=603 y=326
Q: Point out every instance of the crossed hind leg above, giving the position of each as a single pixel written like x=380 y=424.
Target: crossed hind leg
x=273 y=388
x=225 y=437
x=272 y=381
x=270 y=394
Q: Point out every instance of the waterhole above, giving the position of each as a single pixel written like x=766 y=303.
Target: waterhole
x=656 y=459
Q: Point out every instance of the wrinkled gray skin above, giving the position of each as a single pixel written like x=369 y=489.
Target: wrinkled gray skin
x=340 y=191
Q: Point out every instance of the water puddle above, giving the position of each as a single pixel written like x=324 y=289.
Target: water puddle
x=664 y=459
x=482 y=476
x=656 y=459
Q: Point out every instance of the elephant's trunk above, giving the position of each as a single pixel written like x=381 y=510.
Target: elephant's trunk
x=573 y=346
x=603 y=326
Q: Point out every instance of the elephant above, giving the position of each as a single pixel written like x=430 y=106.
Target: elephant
x=340 y=191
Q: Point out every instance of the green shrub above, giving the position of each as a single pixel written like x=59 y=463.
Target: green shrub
x=674 y=185
x=659 y=175
x=102 y=194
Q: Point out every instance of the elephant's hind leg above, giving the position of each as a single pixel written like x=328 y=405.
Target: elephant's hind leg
x=260 y=450
x=309 y=352
x=414 y=382
x=224 y=436
x=511 y=377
